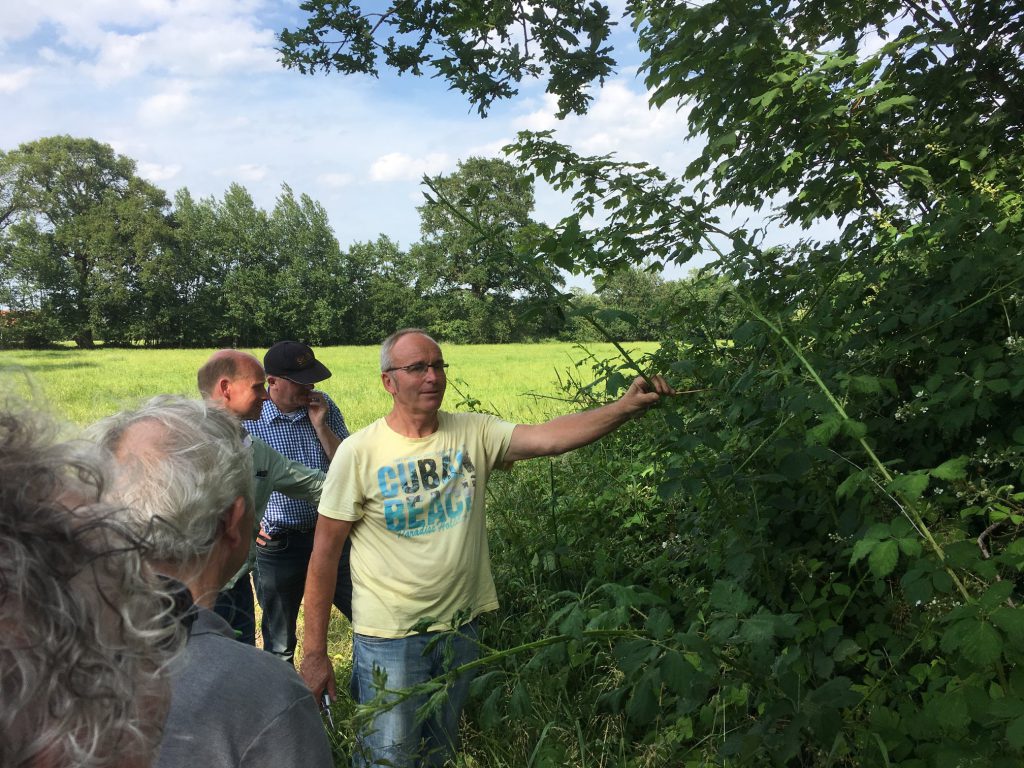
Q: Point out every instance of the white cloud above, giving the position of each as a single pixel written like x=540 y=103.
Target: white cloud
x=398 y=166
x=15 y=80
x=251 y=172
x=157 y=173
x=120 y=57
x=541 y=119
x=81 y=24
x=54 y=57
x=167 y=105
x=335 y=180
x=620 y=122
x=116 y=40
x=200 y=47
x=205 y=44
x=20 y=19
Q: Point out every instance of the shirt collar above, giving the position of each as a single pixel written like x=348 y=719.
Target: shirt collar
x=271 y=411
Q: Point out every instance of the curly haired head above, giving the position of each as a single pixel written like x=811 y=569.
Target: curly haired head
x=177 y=483
x=86 y=629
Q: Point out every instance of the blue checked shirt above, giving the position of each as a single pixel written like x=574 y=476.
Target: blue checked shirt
x=292 y=435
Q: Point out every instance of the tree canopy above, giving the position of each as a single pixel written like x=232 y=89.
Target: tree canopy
x=483 y=49
x=839 y=500
x=477 y=259
x=82 y=226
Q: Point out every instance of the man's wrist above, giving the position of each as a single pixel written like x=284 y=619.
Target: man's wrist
x=624 y=411
x=314 y=640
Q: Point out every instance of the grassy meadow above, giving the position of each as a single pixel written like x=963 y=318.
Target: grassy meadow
x=516 y=381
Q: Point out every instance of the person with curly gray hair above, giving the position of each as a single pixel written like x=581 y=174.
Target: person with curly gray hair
x=87 y=630
x=184 y=474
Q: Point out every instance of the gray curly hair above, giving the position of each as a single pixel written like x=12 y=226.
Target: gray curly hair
x=176 y=491
x=86 y=629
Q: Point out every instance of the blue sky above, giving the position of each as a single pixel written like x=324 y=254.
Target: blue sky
x=193 y=92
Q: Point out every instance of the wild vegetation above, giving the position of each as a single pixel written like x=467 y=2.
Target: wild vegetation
x=815 y=559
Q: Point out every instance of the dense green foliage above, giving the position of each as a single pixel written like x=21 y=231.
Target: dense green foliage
x=80 y=231
x=815 y=559
x=88 y=251
x=475 y=260
x=483 y=49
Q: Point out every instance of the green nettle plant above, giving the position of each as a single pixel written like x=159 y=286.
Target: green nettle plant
x=814 y=558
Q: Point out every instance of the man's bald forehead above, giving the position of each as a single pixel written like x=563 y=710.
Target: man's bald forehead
x=396 y=338
x=415 y=339
x=227 y=364
x=236 y=356
x=249 y=365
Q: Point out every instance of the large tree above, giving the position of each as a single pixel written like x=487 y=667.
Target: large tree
x=245 y=247
x=383 y=281
x=79 y=226
x=182 y=289
x=7 y=187
x=477 y=257
x=308 y=292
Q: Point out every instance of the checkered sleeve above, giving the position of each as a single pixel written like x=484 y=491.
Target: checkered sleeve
x=335 y=420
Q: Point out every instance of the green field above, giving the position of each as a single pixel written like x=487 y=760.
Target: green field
x=517 y=381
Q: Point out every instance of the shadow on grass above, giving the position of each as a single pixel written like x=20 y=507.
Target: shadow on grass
x=54 y=365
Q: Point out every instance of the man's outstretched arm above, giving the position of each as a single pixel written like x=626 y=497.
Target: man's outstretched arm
x=578 y=429
x=321 y=579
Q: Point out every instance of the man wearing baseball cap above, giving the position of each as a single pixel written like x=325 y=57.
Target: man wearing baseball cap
x=304 y=425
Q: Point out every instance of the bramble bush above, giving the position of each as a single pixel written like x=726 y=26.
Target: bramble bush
x=813 y=562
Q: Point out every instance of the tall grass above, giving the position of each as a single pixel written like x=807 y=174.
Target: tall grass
x=517 y=381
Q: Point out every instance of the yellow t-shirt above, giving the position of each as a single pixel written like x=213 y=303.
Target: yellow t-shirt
x=419 y=543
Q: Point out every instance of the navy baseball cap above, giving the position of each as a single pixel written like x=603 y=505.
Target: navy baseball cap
x=294 y=361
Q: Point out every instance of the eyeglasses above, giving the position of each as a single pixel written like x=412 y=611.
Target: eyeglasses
x=420 y=369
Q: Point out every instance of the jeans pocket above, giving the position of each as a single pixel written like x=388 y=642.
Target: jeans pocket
x=371 y=641
x=272 y=547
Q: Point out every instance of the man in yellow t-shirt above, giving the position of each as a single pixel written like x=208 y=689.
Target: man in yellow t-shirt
x=409 y=490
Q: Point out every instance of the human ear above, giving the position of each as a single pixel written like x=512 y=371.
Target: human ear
x=234 y=522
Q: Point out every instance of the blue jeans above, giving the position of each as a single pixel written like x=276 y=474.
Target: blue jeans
x=236 y=607
x=394 y=738
x=280 y=581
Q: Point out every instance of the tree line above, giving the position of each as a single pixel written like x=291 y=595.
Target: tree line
x=90 y=251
